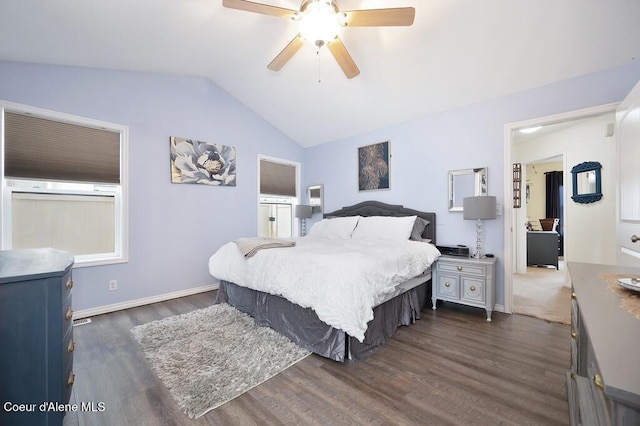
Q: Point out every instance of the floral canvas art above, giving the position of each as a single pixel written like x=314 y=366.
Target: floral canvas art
x=373 y=167
x=202 y=162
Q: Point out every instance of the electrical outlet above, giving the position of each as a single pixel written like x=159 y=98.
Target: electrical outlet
x=113 y=285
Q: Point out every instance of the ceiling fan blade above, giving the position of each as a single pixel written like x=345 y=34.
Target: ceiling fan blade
x=393 y=17
x=286 y=54
x=337 y=49
x=264 y=9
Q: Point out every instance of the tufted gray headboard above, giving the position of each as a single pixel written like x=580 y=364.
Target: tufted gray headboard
x=377 y=208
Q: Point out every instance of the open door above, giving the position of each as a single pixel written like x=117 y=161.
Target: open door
x=628 y=228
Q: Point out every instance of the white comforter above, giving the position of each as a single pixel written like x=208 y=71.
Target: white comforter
x=341 y=280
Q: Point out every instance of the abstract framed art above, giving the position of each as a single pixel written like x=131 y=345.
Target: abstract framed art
x=373 y=167
x=202 y=162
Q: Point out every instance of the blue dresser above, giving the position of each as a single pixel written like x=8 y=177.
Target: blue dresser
x=36 y=331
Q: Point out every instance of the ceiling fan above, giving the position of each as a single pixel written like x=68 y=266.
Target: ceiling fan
x=320 y=21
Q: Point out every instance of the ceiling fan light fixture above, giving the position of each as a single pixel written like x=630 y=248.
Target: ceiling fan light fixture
x=319 y=22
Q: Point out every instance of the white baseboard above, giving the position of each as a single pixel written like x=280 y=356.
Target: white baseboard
x=141 y=302
x=499 y=308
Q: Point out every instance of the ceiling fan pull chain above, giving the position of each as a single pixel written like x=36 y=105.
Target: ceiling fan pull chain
x=319 y=79
x=319 y=44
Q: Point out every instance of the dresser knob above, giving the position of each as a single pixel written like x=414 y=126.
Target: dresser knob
x=459 y=268
x=574 y=334
x=472 y=288
x=71 y=379
x=69 y=283
x=69 y=314
x=597 y=380
x=573 y=296
x=71 y=346
x=447 y=284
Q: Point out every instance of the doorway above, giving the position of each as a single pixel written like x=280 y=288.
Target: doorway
x=541 y=287
x=543 y=146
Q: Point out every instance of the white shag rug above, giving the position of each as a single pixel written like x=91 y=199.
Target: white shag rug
x=210 y=356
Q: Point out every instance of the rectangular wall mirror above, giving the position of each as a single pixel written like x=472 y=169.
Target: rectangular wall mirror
x=466 y=183
x=315 y=197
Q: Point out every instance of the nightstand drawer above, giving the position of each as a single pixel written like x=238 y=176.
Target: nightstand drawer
x=473 y=290
x=461 y=268
x=447 y=286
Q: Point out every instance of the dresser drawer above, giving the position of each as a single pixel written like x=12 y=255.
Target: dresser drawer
x=448 y=287
x=601 y=410
x=67 y=347
x=67 y=285
x=66 y=313
x=574 y=356
x=462 y=268
x=67 y=383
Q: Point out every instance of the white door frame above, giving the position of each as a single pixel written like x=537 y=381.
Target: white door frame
x=509 y=128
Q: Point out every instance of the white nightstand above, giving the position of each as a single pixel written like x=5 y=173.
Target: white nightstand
x=465 y=280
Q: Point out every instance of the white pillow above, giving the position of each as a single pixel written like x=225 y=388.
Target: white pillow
x=387 y=228
x=338 y=227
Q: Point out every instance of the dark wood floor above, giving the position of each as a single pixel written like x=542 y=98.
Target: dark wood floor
x=450 y=368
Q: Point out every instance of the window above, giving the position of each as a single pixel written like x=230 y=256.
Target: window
x=63 y=184
x=278 y=194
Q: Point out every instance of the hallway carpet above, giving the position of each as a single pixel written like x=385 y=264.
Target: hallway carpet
x=543 y=293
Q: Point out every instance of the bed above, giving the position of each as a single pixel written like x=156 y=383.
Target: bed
x=326 y=329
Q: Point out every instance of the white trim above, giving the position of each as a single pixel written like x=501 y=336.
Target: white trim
x=141 y=302
x=509 y=129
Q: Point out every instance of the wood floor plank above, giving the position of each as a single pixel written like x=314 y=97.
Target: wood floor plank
x=450 y=368
x=156 y=408
x=94 y=386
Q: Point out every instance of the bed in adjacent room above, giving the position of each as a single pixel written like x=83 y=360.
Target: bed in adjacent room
x=344 y=289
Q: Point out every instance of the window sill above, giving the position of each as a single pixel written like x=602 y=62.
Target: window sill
x=87 y=261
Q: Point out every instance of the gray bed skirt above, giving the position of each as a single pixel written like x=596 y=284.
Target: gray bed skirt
x=303 y=326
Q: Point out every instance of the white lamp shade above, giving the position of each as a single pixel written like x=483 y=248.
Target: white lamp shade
x=303 y=212
x=483 y=207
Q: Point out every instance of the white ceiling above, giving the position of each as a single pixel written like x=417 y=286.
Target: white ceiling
x=457 y=52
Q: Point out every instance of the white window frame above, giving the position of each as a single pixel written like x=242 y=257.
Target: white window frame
x=120 y=193
x=293 y=200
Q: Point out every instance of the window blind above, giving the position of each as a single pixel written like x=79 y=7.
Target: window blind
x=39 y=148
x=277 y=179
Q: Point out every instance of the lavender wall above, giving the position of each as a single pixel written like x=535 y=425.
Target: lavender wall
x=424 y=150
x=173 y=228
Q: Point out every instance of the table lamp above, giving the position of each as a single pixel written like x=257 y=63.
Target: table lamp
x=303 y=212
x=479 y=208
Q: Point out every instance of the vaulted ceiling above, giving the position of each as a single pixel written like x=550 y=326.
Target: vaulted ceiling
x=457 y=52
